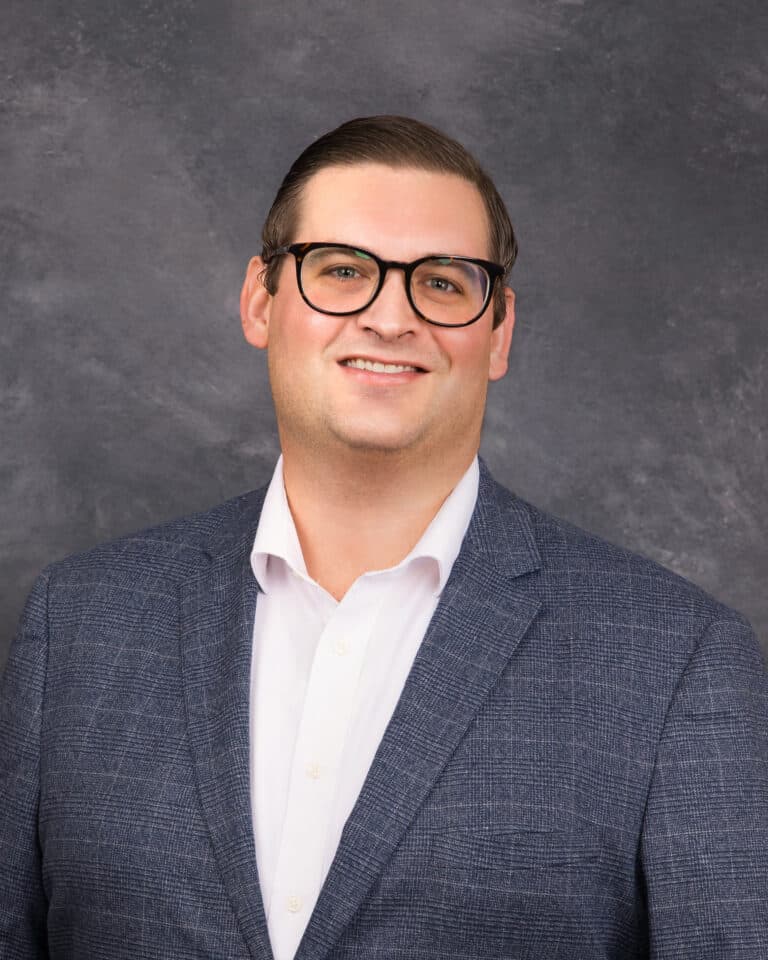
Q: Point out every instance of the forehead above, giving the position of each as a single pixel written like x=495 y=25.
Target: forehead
x=397 y=212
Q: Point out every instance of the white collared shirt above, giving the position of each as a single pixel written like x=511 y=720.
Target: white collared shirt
x=325 y=679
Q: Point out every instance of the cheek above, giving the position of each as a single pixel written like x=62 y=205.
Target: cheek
x=468 y=354
x=302 y=332
x=301 y=353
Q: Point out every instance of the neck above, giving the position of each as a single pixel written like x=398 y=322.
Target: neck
x=362 y=512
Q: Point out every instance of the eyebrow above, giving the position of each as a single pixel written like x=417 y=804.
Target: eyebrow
x=357 y=251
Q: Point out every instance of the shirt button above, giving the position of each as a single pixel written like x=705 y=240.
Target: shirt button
x=340 y=648
x=293 y=904
x=313 y=771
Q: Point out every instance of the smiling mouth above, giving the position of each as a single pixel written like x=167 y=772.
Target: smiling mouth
x=375 y=366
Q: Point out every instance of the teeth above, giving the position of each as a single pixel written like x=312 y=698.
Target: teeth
x=378 y=367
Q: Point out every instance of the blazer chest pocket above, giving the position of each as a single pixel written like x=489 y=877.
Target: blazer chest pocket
x=502 y=857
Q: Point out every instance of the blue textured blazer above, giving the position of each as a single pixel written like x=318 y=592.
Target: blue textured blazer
x=577 y=767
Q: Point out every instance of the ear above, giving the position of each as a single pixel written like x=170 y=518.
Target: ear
x=501 y=339
x=255 y=304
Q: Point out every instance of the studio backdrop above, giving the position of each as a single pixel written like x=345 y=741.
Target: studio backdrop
x=142 y=144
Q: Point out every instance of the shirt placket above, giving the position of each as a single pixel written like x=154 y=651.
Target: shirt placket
x=327 y=711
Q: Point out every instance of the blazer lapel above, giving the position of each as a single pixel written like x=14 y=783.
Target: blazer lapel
x=486 y=608
x=217 y=611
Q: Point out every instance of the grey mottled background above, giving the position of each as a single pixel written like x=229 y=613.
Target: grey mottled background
x=142 y=143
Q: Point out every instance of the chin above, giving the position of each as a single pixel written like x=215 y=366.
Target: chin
x=373 y=445
x=377 y=441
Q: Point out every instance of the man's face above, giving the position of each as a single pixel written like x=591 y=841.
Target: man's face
x=323 y=403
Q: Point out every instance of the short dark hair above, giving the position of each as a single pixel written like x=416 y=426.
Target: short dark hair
x=396 y=142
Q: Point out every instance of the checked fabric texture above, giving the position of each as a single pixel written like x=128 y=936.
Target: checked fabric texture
x=577 y=768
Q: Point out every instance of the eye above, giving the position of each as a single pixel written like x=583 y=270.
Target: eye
x=338 y=267
x=442 y=284
x=343 y=271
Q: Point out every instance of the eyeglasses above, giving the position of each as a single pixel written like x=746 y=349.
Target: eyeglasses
x=341 y=280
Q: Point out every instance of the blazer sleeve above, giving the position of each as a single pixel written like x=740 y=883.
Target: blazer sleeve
x=704 y=846
x=22 y=898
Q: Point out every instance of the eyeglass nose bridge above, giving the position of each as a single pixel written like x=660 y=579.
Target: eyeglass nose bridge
x=384 y=267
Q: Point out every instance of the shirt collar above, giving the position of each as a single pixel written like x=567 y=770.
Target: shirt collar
x=276 y=532
x=443 y=537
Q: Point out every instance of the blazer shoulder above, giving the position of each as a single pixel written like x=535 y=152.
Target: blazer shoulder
x=582 y=571
x=172 y=550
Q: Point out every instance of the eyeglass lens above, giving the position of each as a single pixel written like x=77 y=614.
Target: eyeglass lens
x=344 y=280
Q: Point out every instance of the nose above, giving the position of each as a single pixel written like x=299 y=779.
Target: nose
x=391 y=314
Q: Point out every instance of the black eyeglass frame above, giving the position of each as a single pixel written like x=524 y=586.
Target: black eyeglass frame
x=299 y=250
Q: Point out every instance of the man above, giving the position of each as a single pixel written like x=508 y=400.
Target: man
x=383 y=707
